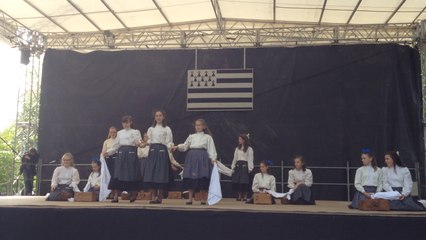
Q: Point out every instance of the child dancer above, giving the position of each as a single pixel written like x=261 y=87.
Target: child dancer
x=65 y=180
x=397 y=177
x=94 y=180
x=108 y=144
x=242 y=165
x=264 y=181
x=126 y=167
x=157 y=168
x=368 y=179
x=143 y=152
x=198 y=162
x=300 y=182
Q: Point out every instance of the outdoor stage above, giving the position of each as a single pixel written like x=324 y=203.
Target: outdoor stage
x=25 y=217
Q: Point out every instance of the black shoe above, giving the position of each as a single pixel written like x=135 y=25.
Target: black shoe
x=203 y=203
x=188 y=203
x=114 y=201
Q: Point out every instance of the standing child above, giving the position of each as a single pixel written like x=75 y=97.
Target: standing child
x=198 y=161
x=126 y=166
x=143 y=152
x=242 y=165
x=368 y=179
x=397 y=177
x=65 y=180
x=300 y=182
x=94 y=180
x=110 y=160
x=157 y=168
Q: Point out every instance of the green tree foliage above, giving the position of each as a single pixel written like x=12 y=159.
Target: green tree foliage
x=6 y=157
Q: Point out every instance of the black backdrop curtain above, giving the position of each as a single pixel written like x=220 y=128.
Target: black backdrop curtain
x=324 y=102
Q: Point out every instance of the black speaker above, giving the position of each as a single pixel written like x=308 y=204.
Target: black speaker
x=25 y=56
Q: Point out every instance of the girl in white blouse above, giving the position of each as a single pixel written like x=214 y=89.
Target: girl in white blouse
x=397 y=177
x=263 y=181
x=157 y=173
x=198 y=161
x=127 y=175
x=368 y=179
x=94 y=180
x=242 y=166
x=65 y=180
x=300 y=181
x=110 y=160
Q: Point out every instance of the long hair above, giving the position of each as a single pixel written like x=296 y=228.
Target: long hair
x=69 y=155
x=112 y=127
x=206 y=129
x=164 y=123
x=396 y=159
x=373 y=159
x=302 y=159
x=246 y=144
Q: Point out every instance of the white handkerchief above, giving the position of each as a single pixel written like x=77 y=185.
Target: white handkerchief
x=105 y=178
x=215 y=192
x=394 y=195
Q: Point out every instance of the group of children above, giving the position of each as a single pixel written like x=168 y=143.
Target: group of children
x=146 y=162
x=394 y=178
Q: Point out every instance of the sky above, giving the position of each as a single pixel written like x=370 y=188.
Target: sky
x=11 y=73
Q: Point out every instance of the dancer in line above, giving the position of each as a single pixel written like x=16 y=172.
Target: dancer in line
x=242 y=166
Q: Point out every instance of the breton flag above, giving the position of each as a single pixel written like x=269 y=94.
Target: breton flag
x=220 y=90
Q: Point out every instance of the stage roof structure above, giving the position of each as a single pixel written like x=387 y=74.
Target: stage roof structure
x=110 y=24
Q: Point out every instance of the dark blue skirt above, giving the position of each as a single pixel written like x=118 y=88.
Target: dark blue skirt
x=127 y=169
x=408 y=204
x=157 y=172
x=358 y=197
x=241 y=177
x=197 y=170
x=110 y=161
x=302 y=195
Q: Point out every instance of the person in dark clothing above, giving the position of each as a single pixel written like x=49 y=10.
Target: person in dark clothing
x=28 y=169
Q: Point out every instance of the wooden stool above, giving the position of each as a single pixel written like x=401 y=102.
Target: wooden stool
x=84 y=197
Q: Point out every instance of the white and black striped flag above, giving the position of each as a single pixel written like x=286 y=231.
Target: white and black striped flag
x=220 y=90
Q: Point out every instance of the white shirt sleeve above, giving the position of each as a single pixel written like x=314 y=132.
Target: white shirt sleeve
x=380 y=182
x=211 y=149
x=183 y=147
x=273 y=184
x=408 y=182
x=234 y=160
x=55 y=177
x=308 y=178
x=115 y=147
x=138 y=137
x=291 y=180
x=255 y=186
x=75 y=177
x=88 y=184
x=149 y=133
x=250 y=159
x=385 y=182
x=169 y=138
x=358 y=181
x=104 y=147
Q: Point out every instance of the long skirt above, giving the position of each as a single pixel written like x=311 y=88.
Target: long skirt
x=127 y=169
x=302 y=195
x=358 y=197
x=61 y=193
x=241 y=177
x=408 y=204
x=157 y=172
x=110 y=161
x=197 y=170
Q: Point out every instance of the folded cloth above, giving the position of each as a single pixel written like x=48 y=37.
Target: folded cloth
x=224 y=169
x=394 y=195
x=215 y=192
x=281 y=195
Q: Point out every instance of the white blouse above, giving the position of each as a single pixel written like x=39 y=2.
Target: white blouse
x=299 y=176
x=94 y=180
x=266 y=181
x=366 y=176
x=240 y=155
x=397 y=177
x=160 y=134
x=125 y=137
x=199 y=141
x=65 y=175
x=108 y=144
x=143 y=152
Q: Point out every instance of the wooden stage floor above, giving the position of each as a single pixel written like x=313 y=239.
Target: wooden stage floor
x=322 y=207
